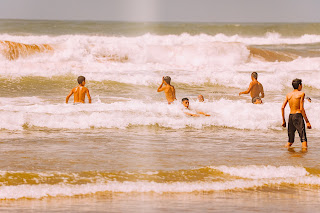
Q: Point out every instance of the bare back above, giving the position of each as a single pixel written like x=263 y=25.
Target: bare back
x=256 y=89
x=169 y=91
x=295 y=99
x=79 y=94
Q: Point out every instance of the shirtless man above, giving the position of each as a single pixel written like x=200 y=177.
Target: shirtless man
x=297 y=113
x=80 y=91
x=255 y=87
x=187 y=110
x=168 y=89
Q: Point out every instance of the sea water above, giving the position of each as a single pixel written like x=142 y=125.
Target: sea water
x=129 y=151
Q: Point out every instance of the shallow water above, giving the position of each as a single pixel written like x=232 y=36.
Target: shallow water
x=129 y=151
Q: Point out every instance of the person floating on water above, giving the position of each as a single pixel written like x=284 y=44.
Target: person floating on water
x=297 y=114
x=80 y=91
x=188 y=111
x=200 y=98
x=168 y=89
x=255 y=87
x=257 y=100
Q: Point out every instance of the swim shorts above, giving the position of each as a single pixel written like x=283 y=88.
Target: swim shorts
x=296 y=122
x=254 y=99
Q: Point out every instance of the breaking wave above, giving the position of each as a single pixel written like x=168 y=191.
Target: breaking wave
x=17 y=185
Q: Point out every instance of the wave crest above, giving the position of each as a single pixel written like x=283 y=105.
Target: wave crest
x=14 y=50
x=271 y=56
x=241 y=179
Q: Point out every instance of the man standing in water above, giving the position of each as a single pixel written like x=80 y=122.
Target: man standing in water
x=168 y=89
x=255 y=87
x=297 y=113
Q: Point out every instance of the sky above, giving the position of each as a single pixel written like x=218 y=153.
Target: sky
x=164 y=10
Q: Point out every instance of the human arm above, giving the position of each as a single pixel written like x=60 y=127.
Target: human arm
x=174 y=93
x=262 y=91
x=282 y=111
x=248 y=90
x=67 y=98
x=303 y=112
x=160 y=88
x=202 y=113
x=89 y=97
x=190 y=114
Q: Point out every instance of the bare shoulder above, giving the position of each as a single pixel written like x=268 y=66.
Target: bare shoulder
x=289 y=95
x=169 y=87
x=301 y=94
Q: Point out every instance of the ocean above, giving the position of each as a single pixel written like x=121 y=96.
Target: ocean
x=129 y=151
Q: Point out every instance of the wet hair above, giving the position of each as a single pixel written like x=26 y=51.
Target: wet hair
x=81 y=79
x=256 y=98
x=167 y=79
x=184 y=99
x=296 y=82
x=254 y=75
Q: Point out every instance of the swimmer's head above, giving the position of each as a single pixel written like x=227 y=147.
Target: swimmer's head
x=296 y=83
x=185 y=102
x=167 y=79
x=254 y=75
x=257 y=100
x=200 y=98
x=81 y=79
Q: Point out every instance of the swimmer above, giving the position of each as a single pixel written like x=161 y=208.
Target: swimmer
x=168 y=89
x=255 y=87
x=200 y=98
x=297 y=114
x=79 y=92
x=187 y=110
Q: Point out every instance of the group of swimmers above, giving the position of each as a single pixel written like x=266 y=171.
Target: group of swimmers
x=170 y=94
x=294 y=98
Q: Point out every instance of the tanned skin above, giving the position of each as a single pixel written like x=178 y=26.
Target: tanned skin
x=296 y=103
x=255 y=88
x=200 y=98
x=79 y=94
x=169 y=91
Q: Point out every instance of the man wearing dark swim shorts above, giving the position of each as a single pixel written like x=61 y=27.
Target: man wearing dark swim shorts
x=296 y=122
x=255 y=88
x=297 y=114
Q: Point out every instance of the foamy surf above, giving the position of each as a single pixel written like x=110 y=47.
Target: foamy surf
x=143 y=60
x=129 y=146
x=261 y=172
x=250 y=177
x=224 y=113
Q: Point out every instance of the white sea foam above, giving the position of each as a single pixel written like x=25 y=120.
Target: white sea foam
x=45 y=190
x=250 y=176
x=143 y=60
x=224 y=113
x=262 y=172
